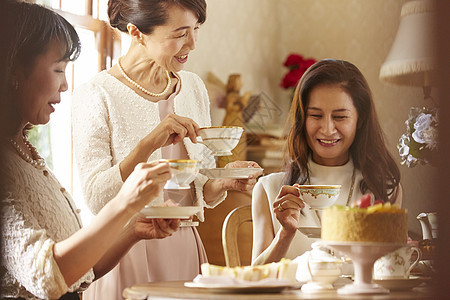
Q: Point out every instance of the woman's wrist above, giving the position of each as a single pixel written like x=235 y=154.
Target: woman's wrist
x=146 y=146
x=213 y=189
x=287 y=233
x=129 y=232
x=122 y=208
x=217 y=186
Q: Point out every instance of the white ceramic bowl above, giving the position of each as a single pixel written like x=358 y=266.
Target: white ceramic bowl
x=183 y=171
x=221 y=139
x=319 y=196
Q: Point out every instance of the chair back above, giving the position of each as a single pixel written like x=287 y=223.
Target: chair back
x=233 y=221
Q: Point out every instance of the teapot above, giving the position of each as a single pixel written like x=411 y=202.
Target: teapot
x=428 y=221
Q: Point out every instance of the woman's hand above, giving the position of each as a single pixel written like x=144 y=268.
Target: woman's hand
x=242 y=185
x=287 y=207
x=146 y=228
x=172 y=130
x=214 y=189
x=144 y=184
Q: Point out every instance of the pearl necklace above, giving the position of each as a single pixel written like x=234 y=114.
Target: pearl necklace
x=169 y=82
x=38 y=163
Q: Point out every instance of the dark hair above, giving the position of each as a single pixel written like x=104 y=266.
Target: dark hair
x=147 y=14
x=380 y=173
x=33 y=28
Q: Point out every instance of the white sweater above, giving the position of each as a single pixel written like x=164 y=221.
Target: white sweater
x=272 y=183
x=36 y=212
x=109 y=119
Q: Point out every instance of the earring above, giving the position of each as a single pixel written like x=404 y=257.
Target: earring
x=16 y=84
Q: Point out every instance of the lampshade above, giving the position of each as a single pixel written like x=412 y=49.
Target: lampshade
x=410 y=61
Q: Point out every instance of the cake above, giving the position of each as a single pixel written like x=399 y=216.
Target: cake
x=381 y=223
x=284 y=270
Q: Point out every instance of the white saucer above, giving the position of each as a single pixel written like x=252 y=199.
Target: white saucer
x=171 y=212
x=230 y=173
x=225 y=284
x=400 y=283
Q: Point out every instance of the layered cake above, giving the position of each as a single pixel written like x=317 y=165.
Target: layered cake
x=285 y=269
x=382 y=223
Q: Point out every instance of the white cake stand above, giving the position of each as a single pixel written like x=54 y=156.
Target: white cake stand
x=363 y=256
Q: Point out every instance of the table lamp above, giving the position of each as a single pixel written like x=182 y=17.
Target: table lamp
x=410 y=61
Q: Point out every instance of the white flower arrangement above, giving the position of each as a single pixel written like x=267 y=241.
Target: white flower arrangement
x=421 y=137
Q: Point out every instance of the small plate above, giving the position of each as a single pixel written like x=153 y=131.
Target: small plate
x=399 y=284
x=171 y=212
x=238 y=286
x=311 y=232
x=230 y=173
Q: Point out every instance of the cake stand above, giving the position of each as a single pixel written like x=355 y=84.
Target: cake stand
x=363 y=256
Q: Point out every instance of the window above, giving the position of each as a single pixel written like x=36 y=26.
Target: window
x=54 y=140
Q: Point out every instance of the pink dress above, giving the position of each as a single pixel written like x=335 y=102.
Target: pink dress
x=177 y=257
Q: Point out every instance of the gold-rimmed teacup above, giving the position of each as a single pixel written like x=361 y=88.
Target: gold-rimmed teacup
x=220 y=139
x=183 y=171
x=319 y=196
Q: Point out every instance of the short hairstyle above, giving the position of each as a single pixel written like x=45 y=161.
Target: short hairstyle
x=32 y=28
x=147 y=14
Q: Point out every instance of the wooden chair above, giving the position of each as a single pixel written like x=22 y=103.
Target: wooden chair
x=233 y=221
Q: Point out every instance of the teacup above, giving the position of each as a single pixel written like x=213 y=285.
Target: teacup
x=183 y=171
x=397 y=264
x=220 y=139
x=319 y=196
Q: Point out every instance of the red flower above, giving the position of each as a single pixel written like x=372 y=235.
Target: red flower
x=306 y=64
x=291 y=78
x=297 y=66
x=293 y=59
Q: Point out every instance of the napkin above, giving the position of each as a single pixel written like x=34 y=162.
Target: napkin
x=302 y=275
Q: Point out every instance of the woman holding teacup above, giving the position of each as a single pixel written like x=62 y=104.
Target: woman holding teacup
x=46 y=253
x=334 y=138
x=145 y=108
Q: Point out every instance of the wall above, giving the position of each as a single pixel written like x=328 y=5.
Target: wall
x=253 y=37
x=240 y=36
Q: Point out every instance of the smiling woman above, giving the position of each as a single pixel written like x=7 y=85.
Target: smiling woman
x=331 y=120
x=40 y=222
x=41 y=88
x=143 y=108
x=334 y=139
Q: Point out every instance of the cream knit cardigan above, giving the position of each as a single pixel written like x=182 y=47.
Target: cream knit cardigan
x=37 y=212
x=109 y=119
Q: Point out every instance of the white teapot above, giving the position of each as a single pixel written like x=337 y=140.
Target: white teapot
x=428 y=222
